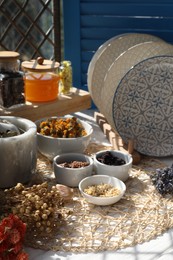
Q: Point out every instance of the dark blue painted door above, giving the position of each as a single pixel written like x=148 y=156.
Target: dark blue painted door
x=89 y=23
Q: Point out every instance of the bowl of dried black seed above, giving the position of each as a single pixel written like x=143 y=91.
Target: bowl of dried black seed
x=71 y=168
x=102 y=190
x=113 y=163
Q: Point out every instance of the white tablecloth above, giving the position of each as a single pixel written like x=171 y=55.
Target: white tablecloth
x=160 y=248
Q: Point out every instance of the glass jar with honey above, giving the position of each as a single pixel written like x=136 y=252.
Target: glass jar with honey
x=41 y=80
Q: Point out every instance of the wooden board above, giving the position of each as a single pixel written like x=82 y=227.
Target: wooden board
x=78 y=100
x=114 y=138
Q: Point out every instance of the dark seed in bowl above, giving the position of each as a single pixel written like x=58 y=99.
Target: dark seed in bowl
x=109 y=159
x=74 y=164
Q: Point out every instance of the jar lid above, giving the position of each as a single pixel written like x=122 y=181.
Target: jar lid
x=7 y=56
x=40 y=64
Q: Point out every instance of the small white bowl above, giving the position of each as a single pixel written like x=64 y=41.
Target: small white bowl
x=119 y=171
x=71 y=176
x=102 y=179
x=52 y=146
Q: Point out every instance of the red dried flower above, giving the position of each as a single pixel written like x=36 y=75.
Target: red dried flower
x=12 y=232
x=21 y=227
x=22 y=256
x=8 y=222
x=3 y=234
x=14 y=236
x=9 y=256
x=17 y=248
x=3 y=247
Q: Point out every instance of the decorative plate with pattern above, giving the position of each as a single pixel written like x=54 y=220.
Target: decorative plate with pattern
x=122 y=65
x=105 y=56
x=143 y=106
x=96 y=57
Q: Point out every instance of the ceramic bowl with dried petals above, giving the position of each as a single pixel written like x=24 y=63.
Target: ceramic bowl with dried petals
x=51 y=146
x=104 y=200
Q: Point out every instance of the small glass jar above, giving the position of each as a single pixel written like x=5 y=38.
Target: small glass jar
x=41 y=80
x=66 y=79
x=11 y=80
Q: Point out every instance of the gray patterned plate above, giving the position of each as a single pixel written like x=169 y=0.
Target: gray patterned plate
x=143 y=106
x=123 y=64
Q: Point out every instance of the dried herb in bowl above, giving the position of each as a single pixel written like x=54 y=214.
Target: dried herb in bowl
x=62 y=128
x=74 y=164
x=102 y=190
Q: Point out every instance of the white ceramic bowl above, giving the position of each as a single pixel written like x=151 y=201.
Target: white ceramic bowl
x=71 y=176
x=50 y=146
x=102 y=179
x=119 y=171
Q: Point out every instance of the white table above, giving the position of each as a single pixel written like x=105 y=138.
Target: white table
x=160 y=248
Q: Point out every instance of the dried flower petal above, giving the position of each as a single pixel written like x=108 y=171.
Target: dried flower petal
x=14 y=236
x=22 y=256
x=8 y=222
x=12 y=231
x=3 y=234
x=3 y=247
x=17 y=248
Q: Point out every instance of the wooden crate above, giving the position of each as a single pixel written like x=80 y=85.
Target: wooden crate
x=78 y=100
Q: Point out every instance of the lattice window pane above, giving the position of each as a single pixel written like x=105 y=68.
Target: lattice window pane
x=31 y=27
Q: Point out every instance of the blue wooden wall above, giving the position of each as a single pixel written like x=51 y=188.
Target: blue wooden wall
x=89 y=23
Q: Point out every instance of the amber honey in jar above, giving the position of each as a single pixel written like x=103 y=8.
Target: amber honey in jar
x=41 y=80
x=11 y=80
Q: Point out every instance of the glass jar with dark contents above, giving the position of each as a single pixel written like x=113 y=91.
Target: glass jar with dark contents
x=11 y=80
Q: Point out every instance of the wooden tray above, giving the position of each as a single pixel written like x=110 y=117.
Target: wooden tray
x=78 y=100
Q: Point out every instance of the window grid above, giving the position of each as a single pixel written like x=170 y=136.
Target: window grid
x=33 y=28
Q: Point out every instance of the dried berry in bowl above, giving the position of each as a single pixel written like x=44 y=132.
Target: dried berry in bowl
x=113 y=163
x=110 y=159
